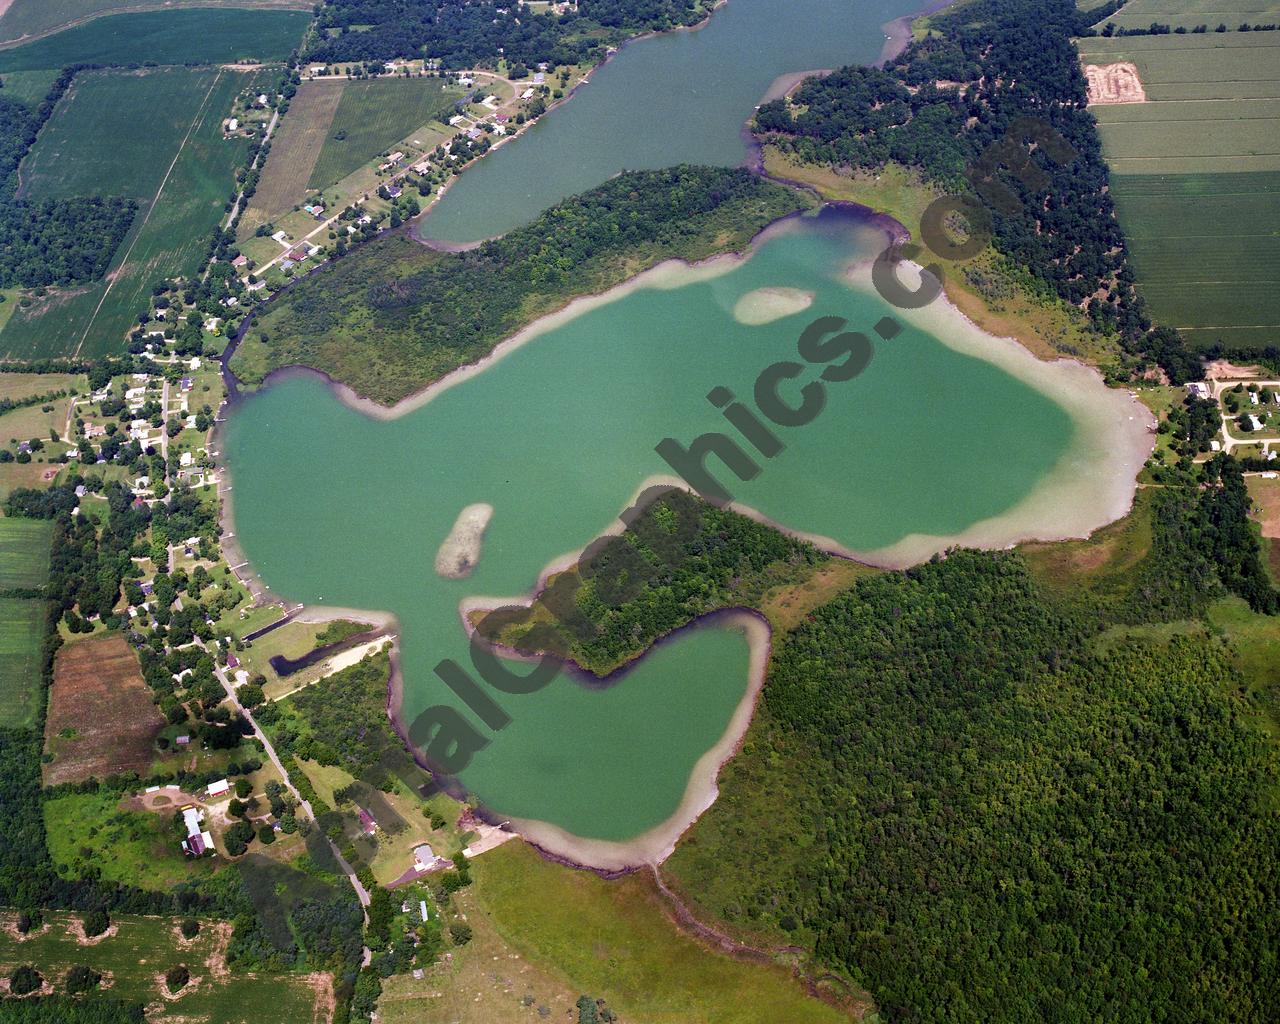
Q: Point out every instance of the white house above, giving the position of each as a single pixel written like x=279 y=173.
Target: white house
x=219 y=788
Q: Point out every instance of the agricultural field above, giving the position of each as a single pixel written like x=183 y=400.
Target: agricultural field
x=1186 y=13
x=180 y=169
x=294 y=150
x=206 y=35
x=373 y=115
x=21 y=639
x=136 y=953
x=30 y=19
x=1196 y=179
x=101 y=720
x=24 y=552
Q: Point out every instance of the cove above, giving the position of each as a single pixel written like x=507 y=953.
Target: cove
x=946 y=436
x=679 y=97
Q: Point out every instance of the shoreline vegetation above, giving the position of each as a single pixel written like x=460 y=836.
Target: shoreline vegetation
x=394 y=316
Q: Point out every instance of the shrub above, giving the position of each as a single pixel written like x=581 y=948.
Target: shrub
x=266 y=835
x=96 y=922
x=25 y=979
x=81 y=979
x=243 y=788
x=460 y=933
x=176 y=979
x=190 y=928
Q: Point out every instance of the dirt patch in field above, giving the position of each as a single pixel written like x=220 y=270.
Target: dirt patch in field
x=75 y=928
x=101 y=720
x=11 y=929
x=1114 y=83
x=1222 y=369
x=322 y=985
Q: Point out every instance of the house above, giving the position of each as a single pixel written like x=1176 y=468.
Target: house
x=287 y=264
x=211 y=324
x=219 y=788
x=232 y=661
x=198 y=841
x=367 y=825
x=1198 y=389
x=297 y=254
x=395 y=157
x=422 y=908
x=194 y=364
x=394 y=191
x=186 y=459
x=1215 y=446
x=527 y=94
x=1255 y=422
x=424 y=858
x=232 y=125
x=282 y=237
x=182 y=741
x=240 y=261
x=186 y=383
x=539 y=78
x=1253 y=398
x=421 y=168
x=466 y=83
x=456 y=120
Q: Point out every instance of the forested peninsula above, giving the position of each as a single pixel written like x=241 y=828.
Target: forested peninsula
x=394 y=316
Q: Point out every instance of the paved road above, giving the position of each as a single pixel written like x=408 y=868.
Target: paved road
x=361 y=892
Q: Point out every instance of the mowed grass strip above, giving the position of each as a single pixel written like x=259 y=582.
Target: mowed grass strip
x=26 y=19
x=101 y=720
x=199 y=36
x=374 y=115
x=136 y=957
x=171 y=230
x=24 y=552
x=21 y=636
x=295 y=148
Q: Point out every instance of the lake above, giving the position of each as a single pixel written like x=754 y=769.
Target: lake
x=938 y=439
x=681 y=97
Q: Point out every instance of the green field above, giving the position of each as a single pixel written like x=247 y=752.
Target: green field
x=180 y=168
x=29 y=87
x=1196 y=179
x=136 y=957
x=28 y=18
x=295 y=147
x=374 y=115
x=144 y=849
x=24 y=552
x=21 y=634
x=207 y=36
x=1187 y=13
x=613 y=939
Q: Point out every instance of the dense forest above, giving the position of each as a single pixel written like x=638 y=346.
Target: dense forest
x=461 y=34
x=393 y=316
x=51 y=241
x=992 y=821
x=959 y=106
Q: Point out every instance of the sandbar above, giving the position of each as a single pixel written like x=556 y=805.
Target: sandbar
x=460 y=551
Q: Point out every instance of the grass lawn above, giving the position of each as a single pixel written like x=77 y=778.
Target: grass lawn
x=613 y=939
x=25 y=385
x=136 y=957
x=484 y=981
x=207 y=36
x=14 y=475
x=181 y=173
x=21 y=634
x=24 y=552
x=144 y=850
x=371 y=116
x=290 y=641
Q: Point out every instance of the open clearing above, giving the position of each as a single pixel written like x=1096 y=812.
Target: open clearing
x=101 y=720
x=199 y=36
x=24 y=552
x=613 y=940
x=180 y=169
x=1196 y=178
x=29 y=19
x=21 y=633
x=373 y=115
x=142 y=949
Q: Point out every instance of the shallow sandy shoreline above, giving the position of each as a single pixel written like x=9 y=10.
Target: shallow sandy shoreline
x=1093 y=485
x=656 y=845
